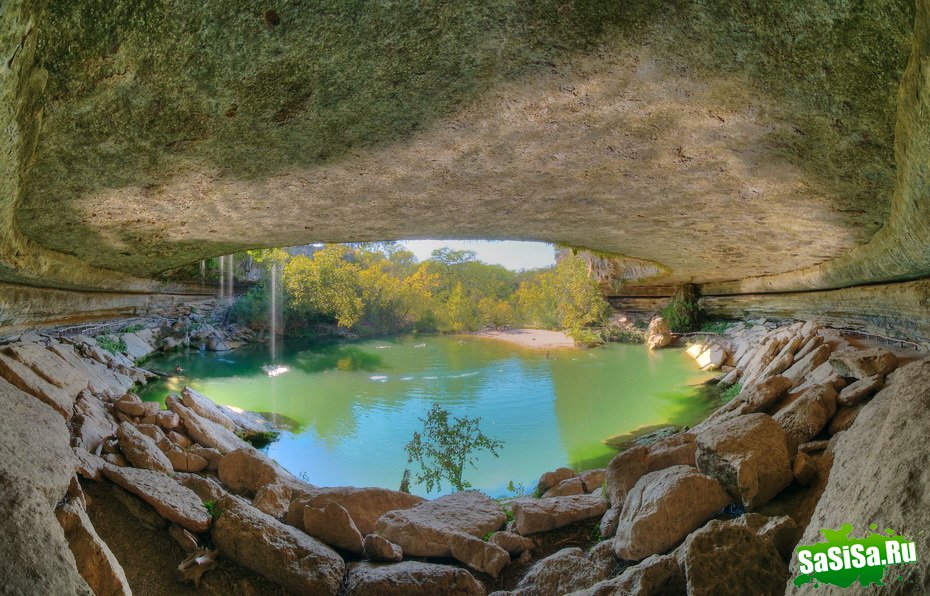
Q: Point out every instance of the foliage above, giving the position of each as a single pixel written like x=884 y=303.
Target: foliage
x=213 y=509
x=444 y=448
x=132 y=328
x=111 y=343
x=259 y=439
x=730 y=393
x=683 y=314
x=564 y=297
x=716 y=326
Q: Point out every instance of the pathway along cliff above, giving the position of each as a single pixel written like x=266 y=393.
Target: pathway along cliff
x=126 y=495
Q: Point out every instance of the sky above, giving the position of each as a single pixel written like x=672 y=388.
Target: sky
x=511 y=254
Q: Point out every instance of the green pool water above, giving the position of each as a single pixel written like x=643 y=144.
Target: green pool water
x=352 y=406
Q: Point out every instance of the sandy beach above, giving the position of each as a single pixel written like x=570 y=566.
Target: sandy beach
x=537 y=339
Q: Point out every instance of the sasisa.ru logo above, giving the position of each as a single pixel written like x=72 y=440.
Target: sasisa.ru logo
x=843 y=560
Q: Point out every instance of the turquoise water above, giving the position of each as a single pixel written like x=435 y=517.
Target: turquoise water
x=352 y=406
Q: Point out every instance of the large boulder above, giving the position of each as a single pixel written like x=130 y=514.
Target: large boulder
x=366 y=505
x=748 y=455
x=808 y=363
x=284 y=555
x=511 y=542
x=425 y=530
x=140 y=450
x=628 y=466
x=42 y=374
x=481 y=556
x=566 y=570
x=532 y=516
x=410 y=577
x=34 y=555
x=333 y=525
x=864 y=363
x=725 y=557
x=807 y=415
x=553 y=478
x=659 y=334
x=172 y=501
x=880 y=475
x=95 y=562
x=663 y=507
x=247 y=470
x=204 y=406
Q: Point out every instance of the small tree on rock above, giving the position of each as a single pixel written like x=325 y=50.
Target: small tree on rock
x=446 y=445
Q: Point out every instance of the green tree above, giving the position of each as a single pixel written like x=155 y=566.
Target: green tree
x=446 y=445
x=326 y=284
x=460 y=311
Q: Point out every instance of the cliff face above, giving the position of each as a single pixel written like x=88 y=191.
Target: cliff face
x=722 y=142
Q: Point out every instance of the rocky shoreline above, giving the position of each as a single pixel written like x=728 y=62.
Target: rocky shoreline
x=717 y=508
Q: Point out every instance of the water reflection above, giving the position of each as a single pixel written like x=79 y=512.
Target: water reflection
x=355 y=405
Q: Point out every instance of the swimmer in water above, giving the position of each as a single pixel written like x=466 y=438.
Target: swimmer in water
x=178 y=370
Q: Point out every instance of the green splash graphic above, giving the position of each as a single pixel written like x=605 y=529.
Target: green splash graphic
x=842 y=550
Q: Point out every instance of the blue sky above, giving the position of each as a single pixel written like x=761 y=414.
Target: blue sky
x=511 y=254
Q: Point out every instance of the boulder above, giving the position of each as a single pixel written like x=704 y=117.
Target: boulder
x=205 y=487
x=42 y=374
x=366 y=505
x=333 y=525
x=425 y=529
x=725 y=557
x=659 y=334
x=658 y=575
x=627 y=467
x=91 y=424
x=183 y=460
x=213 y=456
x=856 y=392
x=593 y=479
x=247 y=470
x=410 y=577
x=748 y=455
x=608 y=525
x=759 y=397
x=95 y=562
x=379 y=548
x=662 y=508
x=140 y=450
x=844 y=418
x=806 y=365
x=572 y=486
x=804 y=468
x=712 y=358
x=138 y=345
x=273 y=499
x=89 y=465
x=553 y=478
x=532 y=516
x=298 y=562
x=511 y=542
x=36 y=469
x=171 y=500
x=864 y=363
x=880 y=475
x=824 y=374
x=206 y=432
x=204 y=407
x=180 y=440
x=167 y=420
x=481 y=556
x=807 y=415
x=566 y=570
x=99 y=379
x=782 y=531
x=130 y=404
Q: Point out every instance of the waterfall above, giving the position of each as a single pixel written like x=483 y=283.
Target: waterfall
x=232 y=295
x=222 y=279
x=203 y=273
x=274 y=311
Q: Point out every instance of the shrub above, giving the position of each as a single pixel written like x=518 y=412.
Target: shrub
x=683 y=314
x=729 y=393
x=111 y=343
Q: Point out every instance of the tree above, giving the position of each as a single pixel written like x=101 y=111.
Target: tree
x=445 y=447
x=460 y=313
x=325 y=284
